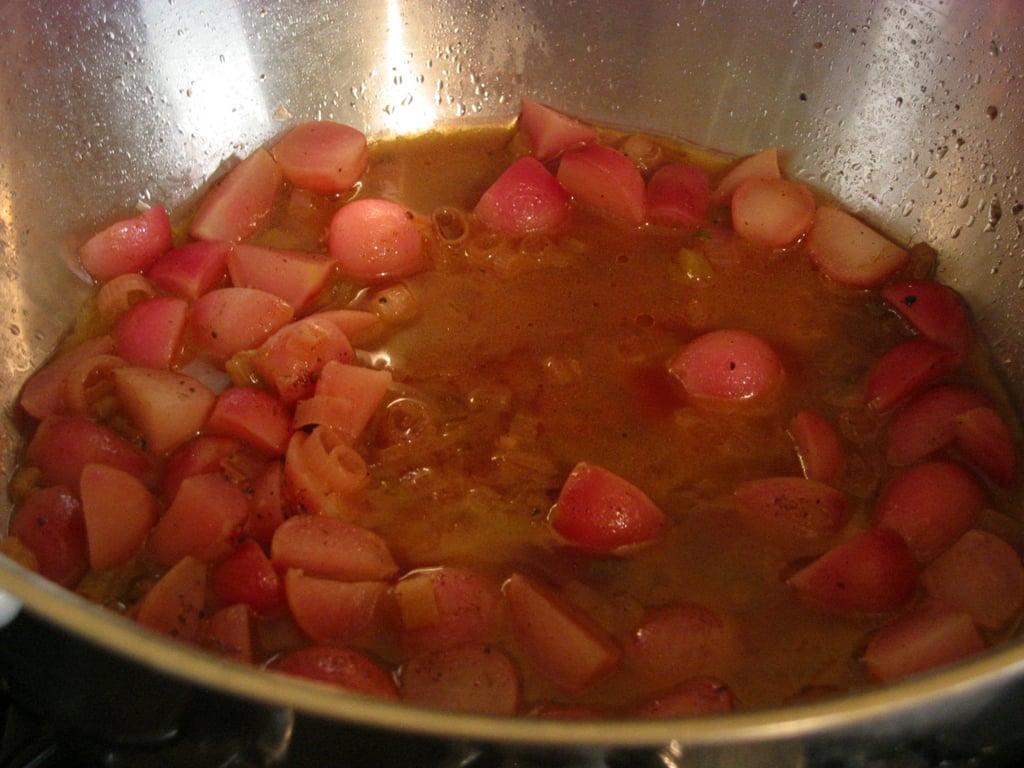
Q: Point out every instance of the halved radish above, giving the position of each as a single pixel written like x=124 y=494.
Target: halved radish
x=697 y=696
x=927 y=423
x=330 y=611
x=981 y=575
x=174 y=605
x=874 y=572
x=341 y=667
x=683 y=640
x=167 y=407
x=849 y=251
x=331 y=548
x=119 y=512
x=935 y=310
x=373 y=239
x=818 y=447
x=130 y=245
x=322 y=156
x=727 y=365
x=763 y=165
x=927 y=636
x=985 y=439
x=678 y=195
x=549 y=132
x=906 y=370
x=473 y=678
x=931 y=505
x=565 y=646
x=792 y=511
x=239 y=202
x=525 y=198
x=50 y=524
x=772 y=212
x=605 y=179
x=599 y=511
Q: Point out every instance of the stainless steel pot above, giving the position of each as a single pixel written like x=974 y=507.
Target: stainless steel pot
x=908 y=111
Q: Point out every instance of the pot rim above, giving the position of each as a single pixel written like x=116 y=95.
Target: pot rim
x=832 y=715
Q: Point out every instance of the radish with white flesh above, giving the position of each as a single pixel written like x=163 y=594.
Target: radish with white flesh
x=606 y=180
x=237 y=204
x=849 y=251
x=229 y=320
x=167 y=407
x=322 y=156
x=772 y=212
x=550 y=132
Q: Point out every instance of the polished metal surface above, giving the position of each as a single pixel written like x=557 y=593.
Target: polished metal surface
x=908 y=111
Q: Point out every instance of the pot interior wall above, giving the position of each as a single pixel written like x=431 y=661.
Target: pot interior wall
x=909 y=112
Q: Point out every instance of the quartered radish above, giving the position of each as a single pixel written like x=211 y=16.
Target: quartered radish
x=331 y=548
x=118 y=511
x=931 y=505
x=203 y=521
x=981 y=575
x=927 y=423
x=560 y=642
x=192 y=269
x=873 y=572
x=905 y=371
x=237 y=204
x=928 y=636
x=150 y=333
x=229 y=320
x=550 y=132
x=296 y=277
x=341 y=667
x=818 y=447
x=678 y=195
x=472 y=678
x=606 y=180
x=130 y=245
x=727 y=365
x=599 y=511
x=167 y=407
x=526 y=198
